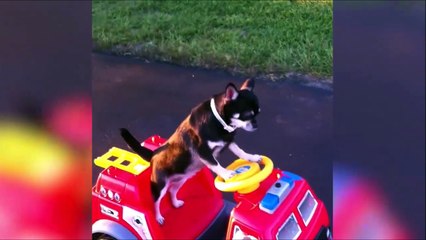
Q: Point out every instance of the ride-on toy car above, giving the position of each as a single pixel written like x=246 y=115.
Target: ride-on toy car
x=269 y=203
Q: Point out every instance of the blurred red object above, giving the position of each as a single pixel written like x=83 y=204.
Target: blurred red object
x=361 y=211
x=26 y=212
x=45 y=175
x=71 y=119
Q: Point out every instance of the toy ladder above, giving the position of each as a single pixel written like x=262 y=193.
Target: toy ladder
x=122 y=159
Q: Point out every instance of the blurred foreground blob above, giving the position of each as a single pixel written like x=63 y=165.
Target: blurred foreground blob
x=71 y=119
x=45 y=174
x=361 y=211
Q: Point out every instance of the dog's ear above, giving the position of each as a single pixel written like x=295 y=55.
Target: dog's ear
x=248 y=85
x=231 y=92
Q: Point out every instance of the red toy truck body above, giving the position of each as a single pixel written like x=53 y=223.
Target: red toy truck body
x=284 y=206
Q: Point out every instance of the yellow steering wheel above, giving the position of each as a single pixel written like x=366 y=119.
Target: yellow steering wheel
x=247 y=178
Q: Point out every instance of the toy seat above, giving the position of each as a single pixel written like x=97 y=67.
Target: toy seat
x=203 y=203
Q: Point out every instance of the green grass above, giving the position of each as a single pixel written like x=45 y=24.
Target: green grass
x=249 y=37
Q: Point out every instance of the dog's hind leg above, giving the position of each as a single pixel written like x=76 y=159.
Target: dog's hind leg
x=174 y=188
x=158 y=190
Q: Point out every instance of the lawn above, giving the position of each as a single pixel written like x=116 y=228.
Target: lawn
x=248 y=37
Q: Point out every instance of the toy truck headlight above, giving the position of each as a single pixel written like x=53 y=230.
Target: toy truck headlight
x=103 y=191
x=117 y=197
x=110 y=194
x=238 y=234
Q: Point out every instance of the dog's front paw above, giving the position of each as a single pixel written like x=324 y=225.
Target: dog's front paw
x=227 y=174
x=160 y=219
x=253 y=158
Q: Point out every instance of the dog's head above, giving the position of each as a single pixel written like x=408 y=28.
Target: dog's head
x=241 y=106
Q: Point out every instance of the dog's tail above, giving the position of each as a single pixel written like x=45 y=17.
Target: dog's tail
x=135 y=145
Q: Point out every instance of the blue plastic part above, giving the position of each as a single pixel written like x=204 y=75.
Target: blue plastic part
x=270 y=201
x=290 y=177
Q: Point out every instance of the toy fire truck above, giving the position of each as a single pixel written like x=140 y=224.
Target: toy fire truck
x=269 y=203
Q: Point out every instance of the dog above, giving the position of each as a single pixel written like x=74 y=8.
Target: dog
x=197 y=142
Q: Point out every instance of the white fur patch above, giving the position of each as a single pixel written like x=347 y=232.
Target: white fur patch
x=212 y=144
x=239 y=123
x=246 y=125
x=236 y=115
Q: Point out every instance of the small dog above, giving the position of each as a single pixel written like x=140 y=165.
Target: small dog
x=197 y=142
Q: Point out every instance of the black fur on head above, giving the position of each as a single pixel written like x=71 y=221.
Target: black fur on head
x=241 y=106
